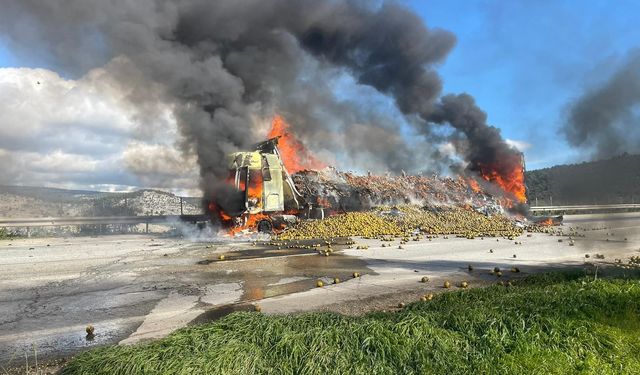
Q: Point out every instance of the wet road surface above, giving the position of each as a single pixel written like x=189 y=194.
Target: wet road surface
x=51 y=289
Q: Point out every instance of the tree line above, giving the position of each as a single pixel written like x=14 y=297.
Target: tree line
x=610 y=181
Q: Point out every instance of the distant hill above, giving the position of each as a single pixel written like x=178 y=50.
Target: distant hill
x=25 y=201
x=50 y=194
x=615 y=180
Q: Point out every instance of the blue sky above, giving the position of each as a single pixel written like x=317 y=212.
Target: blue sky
x=6 y=59
x=523 y=61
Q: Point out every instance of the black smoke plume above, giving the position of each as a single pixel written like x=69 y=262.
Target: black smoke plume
x=222 y=64
x=606 y=119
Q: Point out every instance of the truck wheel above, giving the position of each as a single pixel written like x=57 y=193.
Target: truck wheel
x=265 y=226
x=316 y=213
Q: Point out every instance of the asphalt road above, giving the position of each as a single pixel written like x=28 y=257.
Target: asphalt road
x=132 y=287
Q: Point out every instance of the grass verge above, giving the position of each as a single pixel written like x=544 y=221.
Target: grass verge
x=551 y=323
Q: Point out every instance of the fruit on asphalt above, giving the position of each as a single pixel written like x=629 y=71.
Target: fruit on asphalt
x=447 y=284
x=375 y=223
x=319 y=284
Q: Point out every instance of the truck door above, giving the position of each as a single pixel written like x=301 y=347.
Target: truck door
x=272 y=178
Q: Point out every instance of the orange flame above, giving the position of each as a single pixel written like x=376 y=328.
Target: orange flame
x=473 y=184
x=546 y=222
x=294 y=155
x=223 y=216
x=509 y=178
x=254 y=199
x=250 y=222
x=255 y=188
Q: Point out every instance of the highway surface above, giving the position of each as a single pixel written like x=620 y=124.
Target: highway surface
x=138 y=287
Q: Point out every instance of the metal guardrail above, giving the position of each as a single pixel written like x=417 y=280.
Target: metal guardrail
x=593 y=207
x=71 y=220
x=103 y=220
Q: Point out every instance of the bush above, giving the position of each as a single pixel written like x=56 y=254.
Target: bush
x=5 y=234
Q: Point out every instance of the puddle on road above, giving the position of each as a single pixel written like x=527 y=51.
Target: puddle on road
x=51 y=346
x=273 y=276
x=255 y=253
x=261 y=250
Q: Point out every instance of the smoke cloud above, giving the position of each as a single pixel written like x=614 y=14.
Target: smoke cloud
x=605 y=119
x=225 y=65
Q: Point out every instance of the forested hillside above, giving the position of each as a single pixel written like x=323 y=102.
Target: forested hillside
x=615 y=180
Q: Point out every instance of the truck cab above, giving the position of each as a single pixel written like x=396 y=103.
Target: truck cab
x=266 y=187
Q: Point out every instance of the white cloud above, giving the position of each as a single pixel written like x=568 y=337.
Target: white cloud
x=86 y=133
x=62 y=163
x=519 y=145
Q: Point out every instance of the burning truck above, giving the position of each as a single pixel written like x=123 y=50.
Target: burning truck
x=269 y=198
x=275 y=188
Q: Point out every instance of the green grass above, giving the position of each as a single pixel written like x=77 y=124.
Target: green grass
x=547 y=324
